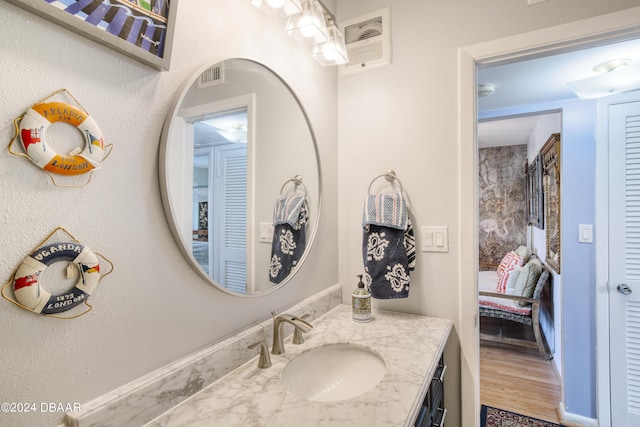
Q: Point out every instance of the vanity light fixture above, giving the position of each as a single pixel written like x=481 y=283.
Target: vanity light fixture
x=278 y=8
x=614 y=76
x=308 y=27
x=334 y=50
x=310 y=22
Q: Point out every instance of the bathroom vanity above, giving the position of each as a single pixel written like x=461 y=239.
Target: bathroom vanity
x=409 y=392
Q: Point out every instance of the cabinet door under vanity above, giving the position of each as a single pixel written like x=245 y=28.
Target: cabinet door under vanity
x=433 y=412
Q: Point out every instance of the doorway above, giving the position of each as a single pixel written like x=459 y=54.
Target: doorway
x=220 y=197
x=510 y=353
x=612 y=27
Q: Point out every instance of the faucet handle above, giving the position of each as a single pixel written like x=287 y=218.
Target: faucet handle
x=265 y=360
x=298 y=338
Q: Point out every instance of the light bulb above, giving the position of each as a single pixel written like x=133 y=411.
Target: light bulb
x=276 y=4
x=307 y=29
x=329 y=51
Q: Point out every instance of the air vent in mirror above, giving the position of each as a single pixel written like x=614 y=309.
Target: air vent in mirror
x=211 y=76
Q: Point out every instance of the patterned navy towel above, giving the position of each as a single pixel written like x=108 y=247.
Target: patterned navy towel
x=410 y=245
x=289 y=236
x=385 y=262
x=389 y=255
x=388 y=246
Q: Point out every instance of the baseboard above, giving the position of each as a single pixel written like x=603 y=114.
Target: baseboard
x=573 y=420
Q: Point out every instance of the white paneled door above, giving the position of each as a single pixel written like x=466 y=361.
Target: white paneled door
x=230 y=222
x=624 y=262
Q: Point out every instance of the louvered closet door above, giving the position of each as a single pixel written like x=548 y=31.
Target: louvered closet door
x=624 y=262
x=231 y=258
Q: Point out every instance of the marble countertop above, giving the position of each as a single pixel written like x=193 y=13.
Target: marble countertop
x=248 y=396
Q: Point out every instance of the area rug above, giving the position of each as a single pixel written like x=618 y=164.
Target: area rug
x=493 y=417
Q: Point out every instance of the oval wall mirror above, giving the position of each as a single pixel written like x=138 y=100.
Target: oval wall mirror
x=240 y=177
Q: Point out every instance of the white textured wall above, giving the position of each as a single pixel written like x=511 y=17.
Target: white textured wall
x=153 y=308
x=405 y=117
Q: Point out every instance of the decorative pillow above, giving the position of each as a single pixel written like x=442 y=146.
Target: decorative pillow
x=524 y=252
x=507 y=280
x=510 y=260
x=527 y=280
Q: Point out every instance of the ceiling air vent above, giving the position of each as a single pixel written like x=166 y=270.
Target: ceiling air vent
x=211 y=76
x=368 y=40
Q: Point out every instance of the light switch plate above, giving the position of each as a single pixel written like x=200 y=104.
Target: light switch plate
x=585 y=233
x=435 y=238
x=266 y=232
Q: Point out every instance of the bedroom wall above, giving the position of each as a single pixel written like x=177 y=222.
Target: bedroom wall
x=153 y=309
x=502 y=202
x=578 y=263
x=574 y=288
x=548 y=124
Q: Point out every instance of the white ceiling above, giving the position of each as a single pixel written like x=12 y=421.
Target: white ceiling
x=513 y=131
x=222 y=128
x=538 y=81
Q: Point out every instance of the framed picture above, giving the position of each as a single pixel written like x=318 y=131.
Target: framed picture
x=535 y=199
x=141 y=29
x=550 y=153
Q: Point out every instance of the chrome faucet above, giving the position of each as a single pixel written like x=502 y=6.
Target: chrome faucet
x=265 y=360
x=278 y=344
x=298 y=338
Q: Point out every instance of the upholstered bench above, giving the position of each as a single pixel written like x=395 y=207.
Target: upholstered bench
x=513 y=306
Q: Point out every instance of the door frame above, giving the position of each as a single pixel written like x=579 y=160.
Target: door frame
x=190 y=115
x=548 y=41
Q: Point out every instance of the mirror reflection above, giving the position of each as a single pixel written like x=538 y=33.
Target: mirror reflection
x=219 y=197
x=240 y=177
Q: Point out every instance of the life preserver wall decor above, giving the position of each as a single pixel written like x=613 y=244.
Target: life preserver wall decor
x=26 y=280
x=31 y=128
x=32 y=132
x=29 y=292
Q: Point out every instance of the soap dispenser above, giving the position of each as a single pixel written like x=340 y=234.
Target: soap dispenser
x=361 y=302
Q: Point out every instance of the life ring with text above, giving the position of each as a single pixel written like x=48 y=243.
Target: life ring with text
x=34 y=124
x=26 y=284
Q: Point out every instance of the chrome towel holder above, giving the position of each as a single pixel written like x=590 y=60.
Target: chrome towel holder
x=297 y=181
x=390 y=176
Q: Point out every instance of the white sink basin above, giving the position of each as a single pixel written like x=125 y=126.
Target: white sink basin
x=334 y=372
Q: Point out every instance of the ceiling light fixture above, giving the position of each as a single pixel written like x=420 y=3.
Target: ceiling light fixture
x=615 y=76
x=309 y=22
x=485 y=89
x=611 y=65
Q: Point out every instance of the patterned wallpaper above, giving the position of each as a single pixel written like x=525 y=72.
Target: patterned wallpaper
x=502 y=202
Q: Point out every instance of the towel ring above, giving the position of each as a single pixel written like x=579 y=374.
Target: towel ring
x=390 y=176
x=297 y=181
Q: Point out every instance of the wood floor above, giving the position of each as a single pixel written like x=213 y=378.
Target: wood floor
x=519 y=382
